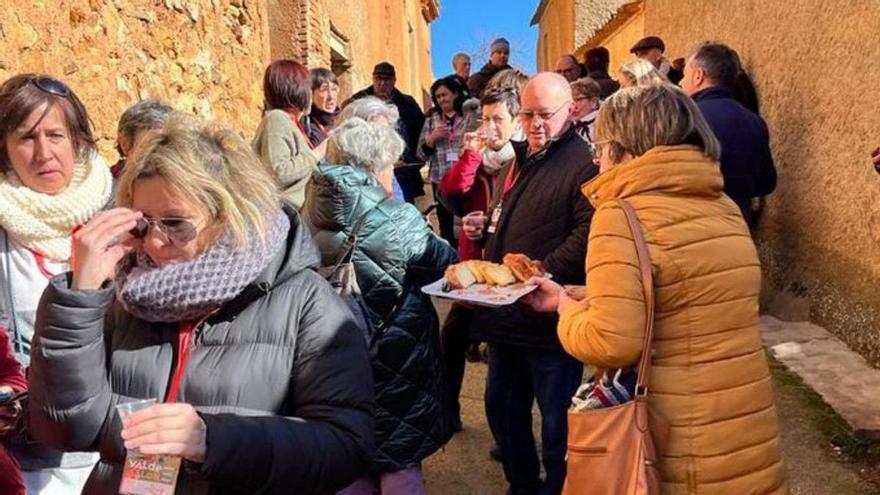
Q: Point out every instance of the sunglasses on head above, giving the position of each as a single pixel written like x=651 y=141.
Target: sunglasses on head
x=52 y=86
x=176 y=230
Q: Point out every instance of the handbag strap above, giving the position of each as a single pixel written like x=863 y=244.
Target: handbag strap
x=648 y=288
x=351 y=242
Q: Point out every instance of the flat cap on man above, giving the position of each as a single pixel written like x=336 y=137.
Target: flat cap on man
x=384 y=69
x=647 y=43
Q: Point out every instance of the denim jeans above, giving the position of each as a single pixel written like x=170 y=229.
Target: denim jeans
x=517 y=377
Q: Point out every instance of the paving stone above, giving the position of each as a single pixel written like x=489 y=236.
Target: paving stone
x=842 y=377
x=775 y=331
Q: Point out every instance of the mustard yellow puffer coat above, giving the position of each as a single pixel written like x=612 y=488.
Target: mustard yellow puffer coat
x=710 y=378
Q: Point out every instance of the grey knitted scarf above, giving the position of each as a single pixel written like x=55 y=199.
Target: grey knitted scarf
x=190 y=290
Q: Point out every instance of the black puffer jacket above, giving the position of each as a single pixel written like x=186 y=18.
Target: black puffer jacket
x=397 y=254
x=546 y=217
x=280 y=375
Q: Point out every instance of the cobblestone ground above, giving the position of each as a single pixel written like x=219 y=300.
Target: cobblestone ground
x=464 y=466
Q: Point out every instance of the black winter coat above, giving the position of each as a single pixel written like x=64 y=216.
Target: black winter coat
x=396 y=255
x=546 y=217
x=746 y=161
x=477 y=82
x=280 y=376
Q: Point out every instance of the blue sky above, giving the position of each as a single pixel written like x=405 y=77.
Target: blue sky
x=471 y=25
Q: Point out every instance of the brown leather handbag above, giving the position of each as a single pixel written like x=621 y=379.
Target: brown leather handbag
x=614 y=450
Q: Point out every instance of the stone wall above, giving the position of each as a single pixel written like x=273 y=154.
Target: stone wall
x=814 y=65
x=202 y=56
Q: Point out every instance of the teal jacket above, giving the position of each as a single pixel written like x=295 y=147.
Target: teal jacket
x=397 y=254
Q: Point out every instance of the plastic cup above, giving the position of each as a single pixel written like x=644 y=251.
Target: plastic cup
x=146 y=474
x=128 y=408
x=474 y=219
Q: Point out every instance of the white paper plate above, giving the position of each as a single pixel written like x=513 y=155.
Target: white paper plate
x=480 y=294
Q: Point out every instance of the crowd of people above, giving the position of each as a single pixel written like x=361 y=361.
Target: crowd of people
x=192 y=272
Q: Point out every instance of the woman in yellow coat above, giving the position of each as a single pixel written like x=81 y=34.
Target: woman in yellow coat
x=710 y=378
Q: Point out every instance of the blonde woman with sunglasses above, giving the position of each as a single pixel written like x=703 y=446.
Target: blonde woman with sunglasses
x=51 y=180
x=199 y=291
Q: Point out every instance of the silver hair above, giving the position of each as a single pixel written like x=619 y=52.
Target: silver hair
x=370 y=108
x=144 y=115
x=461 y=55
x=371 y=146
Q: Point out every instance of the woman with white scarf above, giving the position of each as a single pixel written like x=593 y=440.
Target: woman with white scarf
x=51 y=181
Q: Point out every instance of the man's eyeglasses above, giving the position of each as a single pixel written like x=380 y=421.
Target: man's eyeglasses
x=544 y=116
x=176 y=230
x=51 y=86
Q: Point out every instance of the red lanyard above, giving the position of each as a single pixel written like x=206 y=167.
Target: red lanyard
x=451 y=128
x=185 y=333
x=41 y=264
x=41 y=258
x=184 y=339
x=305 y=133
x=510 y=179
x=301 y=128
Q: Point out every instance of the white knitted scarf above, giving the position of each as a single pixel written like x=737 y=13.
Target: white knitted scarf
x=43 y=222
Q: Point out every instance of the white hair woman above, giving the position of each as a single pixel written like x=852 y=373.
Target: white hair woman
x=373 y=109
x=395 y=256
x=199 y=291
x=710 y=375
x=52 y=181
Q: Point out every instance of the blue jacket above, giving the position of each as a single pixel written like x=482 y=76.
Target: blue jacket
x=396 y=255
x=746 y=162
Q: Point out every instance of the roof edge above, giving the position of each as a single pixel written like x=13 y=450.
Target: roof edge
x=539 y=12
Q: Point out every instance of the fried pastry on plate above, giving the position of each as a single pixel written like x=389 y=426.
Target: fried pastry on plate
x=522 y=266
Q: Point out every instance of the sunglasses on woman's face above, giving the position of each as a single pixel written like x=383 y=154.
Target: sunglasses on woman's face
x=52 y=86
x=176 y=230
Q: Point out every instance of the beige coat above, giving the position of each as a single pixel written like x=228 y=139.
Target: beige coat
x=282 y=146
x=710 y=377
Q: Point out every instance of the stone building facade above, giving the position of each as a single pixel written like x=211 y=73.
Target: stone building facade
x=351 y=36
x=207 y=57
x=203 y=56
x=573 y=26
x=820 y=229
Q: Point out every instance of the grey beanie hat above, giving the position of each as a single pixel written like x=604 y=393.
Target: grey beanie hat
x=499 y=44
